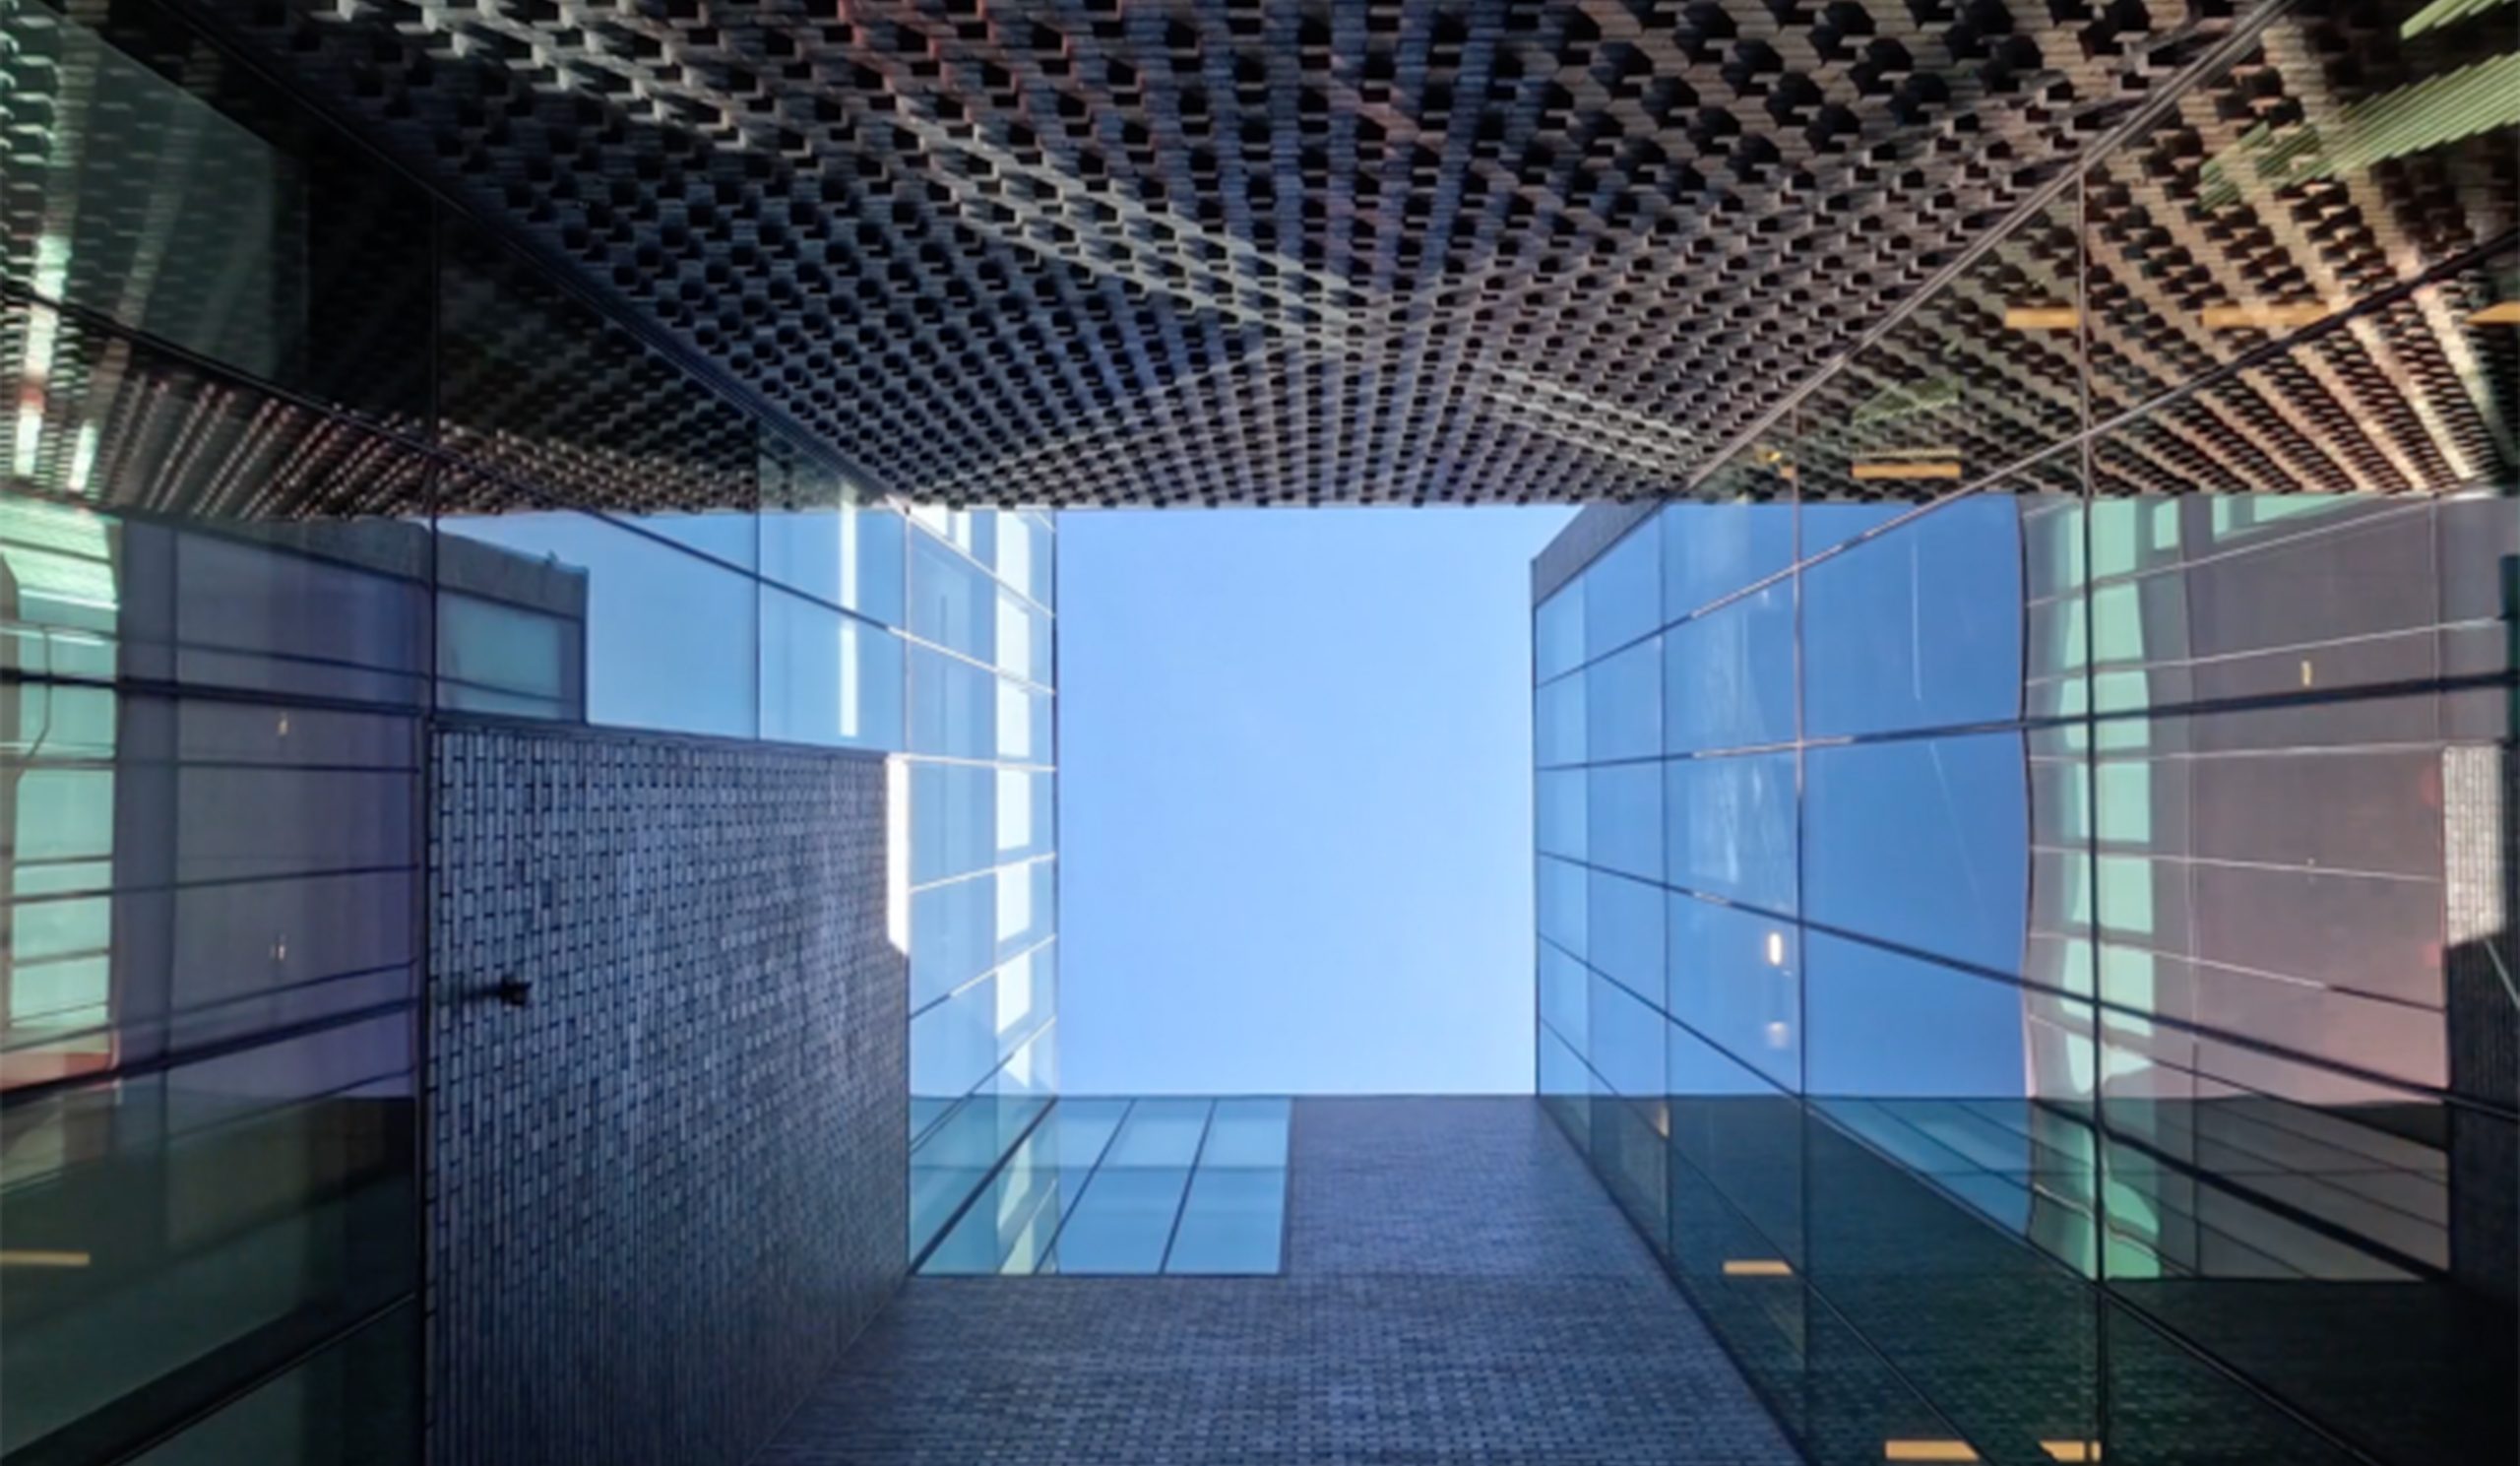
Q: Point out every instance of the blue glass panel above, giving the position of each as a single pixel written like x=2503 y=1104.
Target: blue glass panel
x=1623 y=592
x=1728 y=679
x=1920 y=629
x=826 y=677
x=842 y=552
x=1627 y=931
x=1559 y=796
x=1710 y=550
x=1123 y=1221
x=1557 y=721
x=1230 y=1222
x=1248 y=1132
x=1732 y=977
x=1626 y=1044
x=1563 y=899
x=1160 y=1132
x=1557 y=633
x=1623 y=817
x=1730 y=827
x=1565 y=986
x=953 y=603
x=1623 y=705
x=1882 y=1024
x=1924 y=843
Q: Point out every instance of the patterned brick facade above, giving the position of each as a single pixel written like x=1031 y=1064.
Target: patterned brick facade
x=1458 y=1290
x=667 y=1185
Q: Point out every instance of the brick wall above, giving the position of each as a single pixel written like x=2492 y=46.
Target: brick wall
x=668 y=1188
x=1459 y=1292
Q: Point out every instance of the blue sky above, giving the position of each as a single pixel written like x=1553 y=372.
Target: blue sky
x=1294 y=806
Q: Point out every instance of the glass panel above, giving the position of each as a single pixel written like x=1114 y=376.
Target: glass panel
x=1160 y=1132
x=1248 y=1132
x=1565 y=985
x=1623 y=814
x=961 y=711
x=1727 y=677
x=820 y=537
x=1557 y=633
x=1124 y=1220
x=1564 y=898
x=1623 y=705
x=1919 y=629
x=1925 y=843
x=211 y=213
x=1558 y=735
x=826 y=677
x=953 y=603
x=668 y=638
x=1625 y=1044
x=1730 y=827
x=1623 y=592
x=1711 y=551
x=1230 y=1223
x=1559 y=796
x=351 y=1405
x=1625 y=933
x=1732 y=977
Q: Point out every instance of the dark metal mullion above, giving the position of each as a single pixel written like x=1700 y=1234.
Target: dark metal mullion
x=1207 y=1126
x=1050 y=1250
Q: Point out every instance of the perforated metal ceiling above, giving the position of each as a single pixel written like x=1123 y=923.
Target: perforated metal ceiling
x=1381 y=250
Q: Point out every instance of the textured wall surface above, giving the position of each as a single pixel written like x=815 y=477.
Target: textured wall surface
x=669 y=1187
x=1459 y=1288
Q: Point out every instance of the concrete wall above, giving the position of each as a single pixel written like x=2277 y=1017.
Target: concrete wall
x=668 y=1187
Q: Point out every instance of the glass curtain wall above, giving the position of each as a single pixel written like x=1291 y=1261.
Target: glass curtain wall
x=296 y=459
x=2025 y=871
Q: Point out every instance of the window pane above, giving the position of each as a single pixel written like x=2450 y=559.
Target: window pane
x=1558 y=712
x=1626 y=1044
x=1248 y=1132
x=1710 y=550
x=952 y=602
x=1732 y=977
x=1623 y=705
x=1920 y=629
x=826 y=677
x=1160 y=1132
x=1924 y=843
x=1731 y=827
x=1626 y=932
x=1560 y=816
x=1230 y=1223
x=1886 y=1024
x=1123 y=1221
x=1623 y=592
x=1623 y=809
x=1728 y=679
x=817 y=536
x=1557 y=633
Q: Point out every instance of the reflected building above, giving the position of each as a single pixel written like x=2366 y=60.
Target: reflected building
x=2030 y=951
x=529 y=764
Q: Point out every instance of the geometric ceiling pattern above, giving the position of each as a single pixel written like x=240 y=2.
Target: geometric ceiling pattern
x=1374 y=250
x=1388 y=251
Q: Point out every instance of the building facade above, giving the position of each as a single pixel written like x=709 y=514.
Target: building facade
x=448 y=731
x=2034 y=961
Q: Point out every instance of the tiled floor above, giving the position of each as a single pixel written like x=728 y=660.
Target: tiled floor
x=1458 y=1290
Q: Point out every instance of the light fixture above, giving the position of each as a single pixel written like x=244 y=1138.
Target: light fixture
x=2041 y=318
x=2071 y=1450
x=2500 y=313
x=42 y=1257
x=1928 y=1450
x=1756 y=1267
x=1775 y=949
x=2265 y=316
x=1907 y=467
